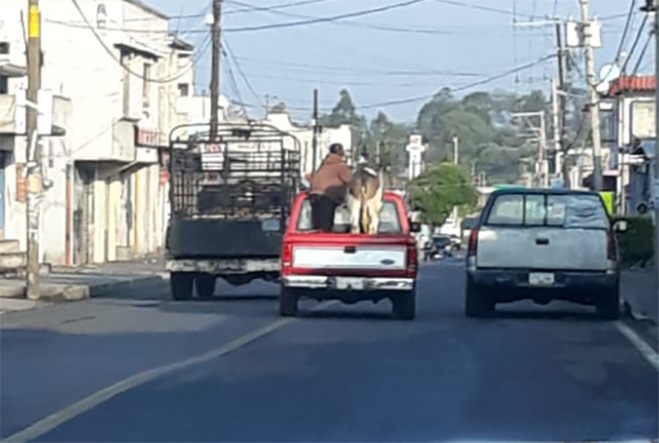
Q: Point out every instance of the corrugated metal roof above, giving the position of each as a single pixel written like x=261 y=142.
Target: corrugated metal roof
x=635 y=83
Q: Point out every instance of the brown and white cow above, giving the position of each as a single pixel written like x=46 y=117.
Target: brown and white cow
x=364 y=200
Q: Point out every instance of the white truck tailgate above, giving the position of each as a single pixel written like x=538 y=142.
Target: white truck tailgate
x=542 y=248
x=355 y=257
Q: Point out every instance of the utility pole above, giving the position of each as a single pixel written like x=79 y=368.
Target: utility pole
x=561 y=101
x=653 y=6
x=556 y=125
x=314 y=139
x=456 y=145
x=216 y=37
x=593 y=96
x=33 y=151
x=539 y=135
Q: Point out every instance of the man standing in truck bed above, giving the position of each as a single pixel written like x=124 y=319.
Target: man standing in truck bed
x=328 y=188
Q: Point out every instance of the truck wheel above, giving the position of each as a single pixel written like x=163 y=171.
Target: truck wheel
x=205 y=284
x=477 y=304
x=287 y=303
x=608 y=304
x=181 y=285
x=404 y=305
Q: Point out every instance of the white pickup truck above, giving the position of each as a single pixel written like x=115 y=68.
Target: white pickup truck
x=543 y=245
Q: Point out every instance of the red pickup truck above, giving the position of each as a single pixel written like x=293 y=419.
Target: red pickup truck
x=350 y=267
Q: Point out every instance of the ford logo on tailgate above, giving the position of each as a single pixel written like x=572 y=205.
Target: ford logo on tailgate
x=387 y=262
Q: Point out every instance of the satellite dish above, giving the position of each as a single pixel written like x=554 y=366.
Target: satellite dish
x=608 y=73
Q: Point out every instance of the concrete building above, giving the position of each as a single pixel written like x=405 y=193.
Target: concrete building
x=116 y=75
x=304 y=133
x=630 y=125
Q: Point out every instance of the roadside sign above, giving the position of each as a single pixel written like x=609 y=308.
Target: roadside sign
x=212 y=157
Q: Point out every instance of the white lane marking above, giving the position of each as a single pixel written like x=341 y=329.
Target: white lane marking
x=645 y=349
x=80 y=407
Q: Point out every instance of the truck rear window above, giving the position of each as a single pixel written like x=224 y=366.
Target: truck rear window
x=567 y=211
x=389 y=219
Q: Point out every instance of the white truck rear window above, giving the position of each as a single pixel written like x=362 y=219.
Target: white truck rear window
x=567 y=211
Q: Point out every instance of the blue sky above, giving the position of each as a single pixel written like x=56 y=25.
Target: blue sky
x=467 y=44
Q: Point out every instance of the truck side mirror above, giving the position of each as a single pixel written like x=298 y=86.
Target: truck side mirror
x=415 y=226
x=620 y=226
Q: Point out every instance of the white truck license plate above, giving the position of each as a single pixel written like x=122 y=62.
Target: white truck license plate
x=345 y=283
x=541 y=278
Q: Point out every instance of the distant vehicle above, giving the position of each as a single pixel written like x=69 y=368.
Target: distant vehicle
x=350 y=267
x=543 y=245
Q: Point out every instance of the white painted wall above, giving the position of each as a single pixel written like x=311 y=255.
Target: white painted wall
x=77 y=66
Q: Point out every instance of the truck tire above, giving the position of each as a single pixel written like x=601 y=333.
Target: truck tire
x=181 y=285
x=404 y=305
x=205 y=284
x=608 y=304
x=477 y=303
x=287 y=303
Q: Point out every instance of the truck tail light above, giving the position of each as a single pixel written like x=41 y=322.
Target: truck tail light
x=286 y=258
x=472 y=247
x=412 y=259
x=612 y=246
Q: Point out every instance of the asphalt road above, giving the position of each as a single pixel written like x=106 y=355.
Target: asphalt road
x=231 y=370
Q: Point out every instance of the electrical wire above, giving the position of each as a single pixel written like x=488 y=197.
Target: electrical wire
x=481 y=8
x=636 y=40
x=428 y=31
x=275 y=7
x=328 y=19
x=126 y=68
x=241 y=72
x=340 y=69
x=623 y=39
x=643 y=51
x=460 y=88
x=232 y=79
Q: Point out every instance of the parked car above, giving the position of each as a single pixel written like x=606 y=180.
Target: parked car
x=350 y=267
x=543 y=245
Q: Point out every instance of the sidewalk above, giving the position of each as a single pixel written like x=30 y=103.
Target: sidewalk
x=640 y=292
x=72 y=284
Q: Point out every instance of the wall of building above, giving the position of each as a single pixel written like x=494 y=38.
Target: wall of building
x=124 y=178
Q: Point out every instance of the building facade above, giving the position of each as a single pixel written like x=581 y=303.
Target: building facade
x=630 y=125
x=114 y=76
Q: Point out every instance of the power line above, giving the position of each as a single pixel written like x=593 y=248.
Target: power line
x=457 y=89
x=126 y=68
x=636 y=40
x=276 y=7
x=326 y=19
x=461 y=4
x=339 y=69
x=232 y=79
x=623 y=39
x=643 y=51
x=406 y=30
x=240 y=71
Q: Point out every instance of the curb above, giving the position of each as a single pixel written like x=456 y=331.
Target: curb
x=636 y=314
x=61 y=292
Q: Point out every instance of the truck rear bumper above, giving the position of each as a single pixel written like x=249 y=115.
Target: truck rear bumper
x=339 y=283
x=224 y=266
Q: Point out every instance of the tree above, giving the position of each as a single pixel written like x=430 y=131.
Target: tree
x=345 y=113
x=390 y=139
x=439 y=189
